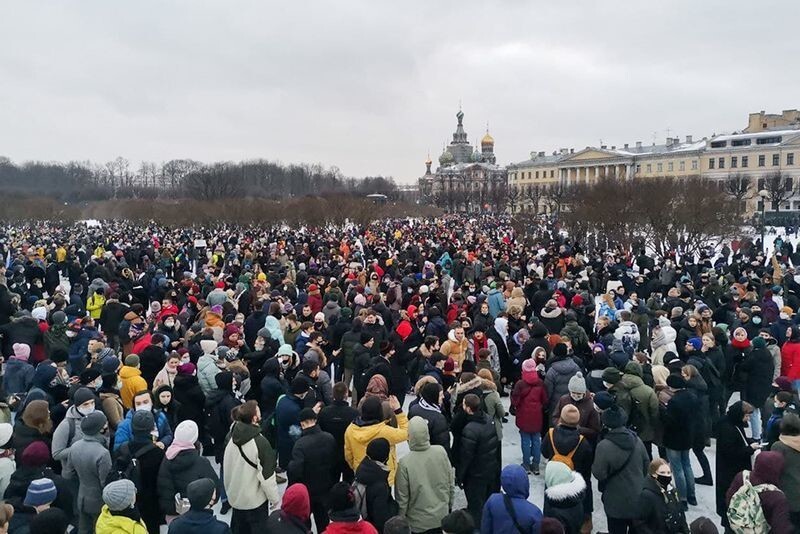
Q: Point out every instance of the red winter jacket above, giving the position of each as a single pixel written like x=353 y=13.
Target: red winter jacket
x=529 y=399
x=348 y=527
x=790 y=360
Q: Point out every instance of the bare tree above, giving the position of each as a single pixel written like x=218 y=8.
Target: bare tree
x=779 y=188
x=556 y=197
x=534 y=194
x=739 y=187
x=513 y=196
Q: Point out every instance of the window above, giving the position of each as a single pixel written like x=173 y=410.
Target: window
x=682 y=166
x=787 y=185
x=552 y=174
x=762 y=160
x=694 y=165
x=745 y=160
x=537 y=174
x=768 y=140
x=719 y=144
x=670 y=166
x=790 y=158
x=711 y=163
x=776 y=160
x=660 y=167
x=649 y=168
x=760 y=205
x=638 y=168
x=721 y=163
x=734 y=162
x=740 y=142
x=760 y=184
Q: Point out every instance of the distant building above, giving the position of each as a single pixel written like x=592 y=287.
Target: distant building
x=759 y=122
x=467 y=179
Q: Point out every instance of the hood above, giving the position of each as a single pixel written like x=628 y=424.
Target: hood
x=552 y=313
x=622 y=438
x=419 y=438
x=331 y=305
x=514 y=482
x=735 y=414
x=539 y=330
x=767 y=468
x=370 y=471
x=296 y=502
x=567 y=490
x=531 y=378
x=129 y=372
x=475 y=383
x=241 y=433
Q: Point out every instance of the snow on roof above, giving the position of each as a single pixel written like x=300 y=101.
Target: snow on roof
x=768 y=133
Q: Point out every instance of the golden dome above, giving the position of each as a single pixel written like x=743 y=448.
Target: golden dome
x=428 y=161
x=487 y=139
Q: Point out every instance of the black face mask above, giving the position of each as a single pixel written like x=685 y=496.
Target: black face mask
x=664 y=480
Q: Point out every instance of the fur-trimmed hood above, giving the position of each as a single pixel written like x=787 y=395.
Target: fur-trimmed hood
x=475 y=383
x=568 y=490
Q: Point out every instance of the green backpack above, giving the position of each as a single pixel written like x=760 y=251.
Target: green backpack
x=744 y=512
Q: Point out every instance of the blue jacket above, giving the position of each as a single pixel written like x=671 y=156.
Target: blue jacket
x=18 y=376
x=124 y=433
x=497 y=302
x=497 y=520
x=80 y=344
x=195 y=521
x=287 y=423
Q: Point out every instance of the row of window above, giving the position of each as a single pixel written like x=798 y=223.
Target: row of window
x=532 y=174
x=670 y=167
x=746 y=142
x=719 y=163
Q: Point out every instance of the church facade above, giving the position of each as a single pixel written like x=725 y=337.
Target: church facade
x=467 y=179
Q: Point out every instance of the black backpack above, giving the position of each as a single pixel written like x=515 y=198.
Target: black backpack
x=636 y=418
x=126 y=466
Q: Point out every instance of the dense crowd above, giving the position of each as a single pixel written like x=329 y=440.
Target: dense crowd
x=152 y=372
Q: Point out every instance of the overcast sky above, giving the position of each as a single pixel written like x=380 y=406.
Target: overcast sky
x=372 y=86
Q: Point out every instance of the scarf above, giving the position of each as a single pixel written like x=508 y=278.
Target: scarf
x=791 y=441
x=478 y=345
x=740 y=345
x=177 y=446
x=430 y=407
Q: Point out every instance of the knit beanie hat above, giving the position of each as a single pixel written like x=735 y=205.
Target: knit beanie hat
x=82 y=395
x=468 y=366
x=560 y=350
x=187 y=369
x=614 y=417
x=372 y=409
x=186 y=431
x=110 y=365
x=759 y=342
x=529 y=366
x=378 y=450
x=570 y=415
x=783 y=383
x=41 y=491
x=551 y=525
x=299 y=386
x=611 y=375
x=208 y=345
x=22 y=351
x=577 y=384
x=36 y=454
x=93 y=424
x=119 y=495
x=132 y=360
x=6 y=432
x=556 y=473
x=341 y=498
x=200 y=492
x=604 y=400
x=284 y=350
x=50 y=521
x=296 y=502
x=695 y=342
x=458 y=522
x=142 y=422
x=59 y=317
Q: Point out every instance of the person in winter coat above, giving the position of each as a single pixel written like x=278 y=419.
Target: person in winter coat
x=767 y=469
x=496 y=512
x=18 y=373
x=679 y=421
x=788 y=445
x=424 y=484
x=144 y=401
x=564 y=496
x=552 y=317
x=313 y=464
x=456 y=346
x=642 y=407
x=790 y=354
x=735 y=353
x=69 y=431
x=34 y=425
x=660 y=511
x=371 y=425
x=219 y=405
x=132 y=381
x=628 y=333
x=334 y=420
x=202 y=494
x=344 y=513
x=7 y=465
x=207 y=367
x=620 y=466
x=528 y=400
x=166 y=376
x=149 y=457
x=561 y=368
x=294 y=514
x=188 y=393
x=662 y=340
x=734 y=452
x=119 y=512
x=166 y=403
x=287 y=420
x=373 y=474
x=589 y=424
x=249 y=471
x=182 y=465
x=757 y=369
x=92 y=463
x=429 y=408
x=273 y=385
x=476 y=455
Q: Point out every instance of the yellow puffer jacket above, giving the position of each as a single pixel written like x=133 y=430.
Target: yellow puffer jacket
x=357 y=437
x=116 y=524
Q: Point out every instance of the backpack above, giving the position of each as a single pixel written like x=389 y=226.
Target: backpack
x=744 y=512
x=360 y=495
x=126 y=466
x=635 y=419
x=565 y=459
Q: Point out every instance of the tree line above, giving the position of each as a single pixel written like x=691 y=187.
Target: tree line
x=184 y=178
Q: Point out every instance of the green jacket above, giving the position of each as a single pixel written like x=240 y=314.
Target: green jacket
x=647 y=399
x=424 y=484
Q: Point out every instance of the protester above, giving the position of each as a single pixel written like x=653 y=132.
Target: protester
x=510 y=510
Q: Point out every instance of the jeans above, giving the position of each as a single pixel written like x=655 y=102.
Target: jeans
x=531 y=448
x=681 y=465
x=755 y=423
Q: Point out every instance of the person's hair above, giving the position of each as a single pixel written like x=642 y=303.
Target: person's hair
x=472 y=401
x=396 y=525
x=142 y=392
x=430 y=341
x=747 y=408
x=340 y=391
x=784 y=396
x=244 y=413
x=315 y=336
x=466 y=377
x=309 y=366
x=7 y=512
x=690 y=370
x=157 y=339
x=484 y=354
x=306 y=325
x=790 y=425
x=655 y=464
x=625 y=315
x=173 y=356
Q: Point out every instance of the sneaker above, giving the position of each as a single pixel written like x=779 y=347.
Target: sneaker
x=527 y=468
x=225 y=508
x=704 y=481
x=692 y=501
x=536 y=470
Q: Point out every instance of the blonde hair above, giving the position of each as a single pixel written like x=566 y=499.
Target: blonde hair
x=655 y=464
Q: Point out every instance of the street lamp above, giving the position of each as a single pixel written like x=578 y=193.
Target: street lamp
x=764 y=194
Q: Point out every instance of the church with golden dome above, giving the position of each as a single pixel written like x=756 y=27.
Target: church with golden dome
x=466 y=179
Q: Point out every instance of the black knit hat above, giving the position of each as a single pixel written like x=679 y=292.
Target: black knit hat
x=378 y=450
x=341 y=498
x=614 y=417
x=458 y=522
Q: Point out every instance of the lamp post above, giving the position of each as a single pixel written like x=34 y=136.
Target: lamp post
x=764 y=194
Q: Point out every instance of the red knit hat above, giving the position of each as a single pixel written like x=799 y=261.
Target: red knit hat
x=312 y=287
x=296 y=502
x=36 y=454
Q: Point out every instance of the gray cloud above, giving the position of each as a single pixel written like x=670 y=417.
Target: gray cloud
x=373 y=86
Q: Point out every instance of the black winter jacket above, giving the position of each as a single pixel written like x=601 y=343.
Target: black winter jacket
x=176 y=474
x=437 y=425
x=380 y=504
x=313 y=461
x=476 y=456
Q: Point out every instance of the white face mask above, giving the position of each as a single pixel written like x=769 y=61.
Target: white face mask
x=70 y=333
x=259 y=345
x=607 y=385
x=169 y=324
x=147 y=407
x=85 y=411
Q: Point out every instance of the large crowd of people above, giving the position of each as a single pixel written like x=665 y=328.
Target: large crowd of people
x=150 y=373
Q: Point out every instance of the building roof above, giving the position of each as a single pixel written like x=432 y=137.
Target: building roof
x=757 y=135
x=538 y=161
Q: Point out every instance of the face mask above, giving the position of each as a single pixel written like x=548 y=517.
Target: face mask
x=70 y=333
x=576 y=398
x=756 y=320
x=259 y=345
x=169 y=324
x=664 y=480
x=85 y=411
x=119 y=384
x=284 y=363
x=147 y=407
x=607 y=385
x=97 y=385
